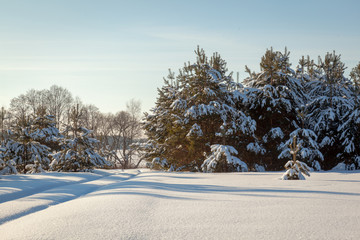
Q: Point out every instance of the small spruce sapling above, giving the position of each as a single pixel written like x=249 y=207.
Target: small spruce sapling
x=307 y=139
x=294 y=167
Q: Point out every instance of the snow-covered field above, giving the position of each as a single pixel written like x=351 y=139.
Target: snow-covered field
x=145 y=204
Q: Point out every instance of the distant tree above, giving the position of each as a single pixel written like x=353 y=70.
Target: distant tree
x=78 y=152
x=121 y=135
x=36 y=99
x=91 y=118
x=133 y=107
x=56 y=101
x=75 y=117
x=104 y=130
x=44 y=130
x=59 y=102
x=4 y=123
x=126 y=131
x=19 y=108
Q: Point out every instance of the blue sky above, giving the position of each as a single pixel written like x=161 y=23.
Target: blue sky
x=107 y=52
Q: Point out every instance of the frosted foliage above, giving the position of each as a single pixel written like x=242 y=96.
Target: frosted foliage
x=275 y=98
x=209 y=92
x=295 y=171
x=340 y=167
x=232 y=119
x=6 y=166
x=273 y=133
x=26 y=152
x=214 y=74
x=44 y=128
x=347 y=167
x=327 y=141
x=223 y=153
x=178 y=104
x=34 y=168
x=259 y=168
x=316 y=165
x=160 y=162
x=256 y=148
x=195 y=131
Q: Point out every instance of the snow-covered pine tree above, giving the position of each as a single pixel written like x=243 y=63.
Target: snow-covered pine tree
x=157 y=126
x=22 y=149
x=307 y=71
x=307 y=139
x=330 y=96
x=350 y=125
x=78 y=150
x=295 y=168
x=44 y=130
x=7 y=166
x=223 y=159
x=272 y=97
x=195 y=112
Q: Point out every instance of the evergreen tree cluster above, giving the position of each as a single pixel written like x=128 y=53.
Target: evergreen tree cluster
x=117 y=132
x=205 y=121
x=34 y=144
x=44 y=114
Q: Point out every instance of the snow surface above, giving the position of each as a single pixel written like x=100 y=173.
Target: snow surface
x=144 y=204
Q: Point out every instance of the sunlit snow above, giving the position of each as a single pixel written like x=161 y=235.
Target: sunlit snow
x=144 y=204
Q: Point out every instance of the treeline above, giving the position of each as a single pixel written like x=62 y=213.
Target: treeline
x=205 y=121
x=50 y=130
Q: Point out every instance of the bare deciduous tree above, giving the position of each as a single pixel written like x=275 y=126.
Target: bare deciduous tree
x=125 y=130
x=19 y=107
x=91 y=115
x=4 y=122
x=36 y=99
x=59 y=102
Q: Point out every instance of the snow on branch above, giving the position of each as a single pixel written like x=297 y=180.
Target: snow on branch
x=223 y=154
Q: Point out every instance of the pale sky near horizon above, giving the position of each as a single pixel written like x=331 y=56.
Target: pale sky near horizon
x=108 y=52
